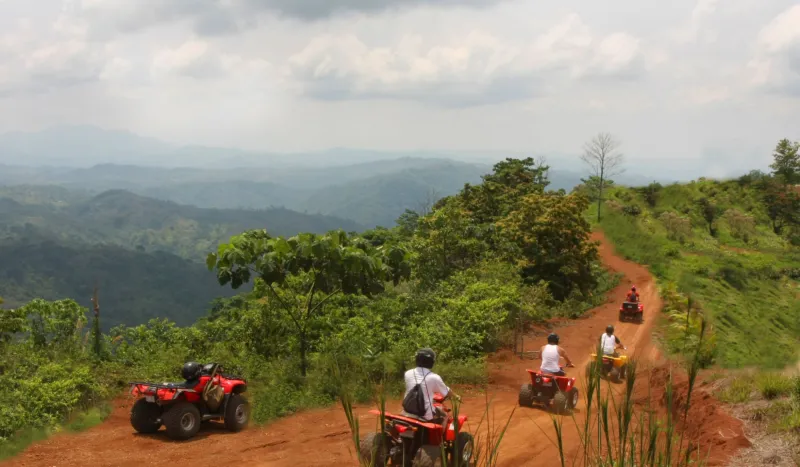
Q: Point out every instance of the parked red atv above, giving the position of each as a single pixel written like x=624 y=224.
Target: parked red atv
x=631 y=311
x=408 y=440
x=207 y=394
x=558 y=392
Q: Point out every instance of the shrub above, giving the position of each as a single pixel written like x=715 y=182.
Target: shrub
x=774 y=385
x=678 y=227
x=632 y=210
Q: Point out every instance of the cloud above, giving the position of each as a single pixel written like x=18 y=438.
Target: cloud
x=776 y=65
x=478 y=68
x=40 y=60
x=225 y=17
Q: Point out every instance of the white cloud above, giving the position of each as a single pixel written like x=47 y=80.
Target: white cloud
x=476 y=68
x=776 y=65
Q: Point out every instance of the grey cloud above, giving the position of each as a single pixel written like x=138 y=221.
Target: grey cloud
x=219 y=17
x=310 y=10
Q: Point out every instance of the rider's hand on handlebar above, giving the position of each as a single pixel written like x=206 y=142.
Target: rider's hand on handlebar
x=570 y=365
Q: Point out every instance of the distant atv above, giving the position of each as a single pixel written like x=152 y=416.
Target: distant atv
x=631 y=311
x=409 y=441
x=613 y=368
x=556 y=392
x=207 y=394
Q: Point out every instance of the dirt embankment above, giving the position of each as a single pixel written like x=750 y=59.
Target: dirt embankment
x=321 y=437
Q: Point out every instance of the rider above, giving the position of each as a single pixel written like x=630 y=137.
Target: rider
x=430 y=383
x=609 y=342
x=632 y=296
x=551 y=355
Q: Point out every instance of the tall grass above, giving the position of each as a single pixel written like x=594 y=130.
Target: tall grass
x=617 y=432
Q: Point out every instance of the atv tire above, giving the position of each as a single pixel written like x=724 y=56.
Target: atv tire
x=614 y=375
x=561 y=403
x=621 y=317
x=427 y=456
x=526 y=395
x=373 y=449
x=237 y=413
x=572 y=399
x=464 y=450
x=182 y=421
x=145 y=416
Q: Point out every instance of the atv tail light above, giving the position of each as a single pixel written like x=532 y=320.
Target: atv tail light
x=546 y=380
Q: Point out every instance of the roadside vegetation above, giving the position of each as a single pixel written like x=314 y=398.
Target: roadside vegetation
x=324 y=314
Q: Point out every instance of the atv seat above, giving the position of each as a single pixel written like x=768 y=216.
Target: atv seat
x=188 y=384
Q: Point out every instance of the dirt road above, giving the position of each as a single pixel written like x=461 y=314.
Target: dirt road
x=322 y=437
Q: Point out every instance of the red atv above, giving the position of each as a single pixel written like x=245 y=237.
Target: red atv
x=408 y=440
x=631 y=311
x=207 y=394
x=558 y=392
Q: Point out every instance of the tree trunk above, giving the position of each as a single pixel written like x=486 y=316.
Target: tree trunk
x=600 y=193
x=303 y=354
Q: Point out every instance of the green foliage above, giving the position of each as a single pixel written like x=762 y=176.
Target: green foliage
x=312 y=268
x=739 y=278
x=348 y=311
x=738 y=391
x=553 y=238
x=786 y=163
x=773 y=385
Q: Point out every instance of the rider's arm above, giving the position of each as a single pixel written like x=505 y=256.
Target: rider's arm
x=563 y=353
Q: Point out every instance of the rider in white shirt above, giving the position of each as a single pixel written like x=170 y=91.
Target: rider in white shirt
x=551 y=356
x=609 y=342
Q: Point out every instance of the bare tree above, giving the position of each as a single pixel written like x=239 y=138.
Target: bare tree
x=430 y=198
x=604 y=160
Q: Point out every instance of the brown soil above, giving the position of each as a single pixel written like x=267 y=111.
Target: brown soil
x=322 y=437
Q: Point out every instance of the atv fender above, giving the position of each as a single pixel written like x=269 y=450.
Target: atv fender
x=451 y=428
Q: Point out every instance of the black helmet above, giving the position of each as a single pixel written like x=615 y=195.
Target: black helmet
x=552 y=338
x=610 y=329
x=425 y=358
x=191 y=371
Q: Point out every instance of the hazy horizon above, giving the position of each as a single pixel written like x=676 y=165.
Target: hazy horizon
x=696 y=87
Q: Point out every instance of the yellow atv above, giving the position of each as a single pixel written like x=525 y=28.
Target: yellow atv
x=613 y=368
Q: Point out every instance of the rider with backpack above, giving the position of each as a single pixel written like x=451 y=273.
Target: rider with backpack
x=421 y=385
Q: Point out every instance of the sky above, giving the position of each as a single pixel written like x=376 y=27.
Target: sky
x=709 y=84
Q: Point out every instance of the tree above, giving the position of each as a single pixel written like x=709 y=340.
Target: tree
x=787 y=161
x=651 y=193
x=591 y=187
x=553 y=240
x=501 y=190
x=303 y=273
x=604 y=161
x=428 y=201
x=783 y=206
x=710 y=212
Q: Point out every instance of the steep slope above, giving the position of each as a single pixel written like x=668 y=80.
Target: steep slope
x=381 y=199
x=741 y=275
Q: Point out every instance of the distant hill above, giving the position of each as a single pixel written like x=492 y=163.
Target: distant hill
x=134 y=286
x=125 y=219
x=381 y=199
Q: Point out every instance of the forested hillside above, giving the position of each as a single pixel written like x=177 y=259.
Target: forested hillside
x=135 y=286
x=122 y=218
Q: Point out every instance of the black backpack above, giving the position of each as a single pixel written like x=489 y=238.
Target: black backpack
x=414 y=402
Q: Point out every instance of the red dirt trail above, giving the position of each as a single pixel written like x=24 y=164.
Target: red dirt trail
x=322 y=437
